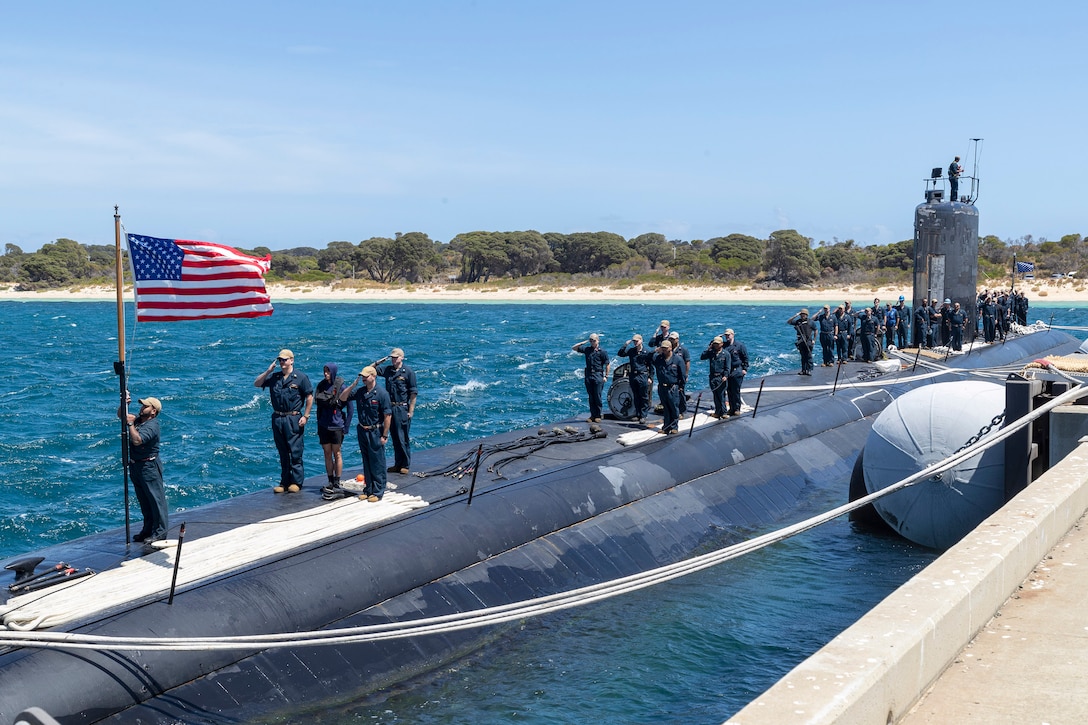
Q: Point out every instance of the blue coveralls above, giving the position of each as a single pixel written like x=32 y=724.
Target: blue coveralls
x=400 y=383
x=682 y=394
x=844 y=323
x=372 y=407
x=923 y=331
x=670 y=376
x=288 y=395
x=828 y=326
x=738 y=364
x=867 y=331
x=145 y=467
x=639 y=376
x=904 y=322
x=721 y=365
x=596 y=364
x=804 y=342
x=956 y=333
x=891 y=326
x=989 y=329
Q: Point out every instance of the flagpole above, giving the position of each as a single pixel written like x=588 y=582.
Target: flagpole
x=1013 y=272
x=119 y=366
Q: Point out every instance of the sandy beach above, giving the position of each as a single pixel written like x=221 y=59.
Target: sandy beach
x=1040 y=292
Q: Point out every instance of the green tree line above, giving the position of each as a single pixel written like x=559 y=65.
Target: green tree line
x=786 y=258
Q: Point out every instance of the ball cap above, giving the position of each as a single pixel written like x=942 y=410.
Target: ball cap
x=636 y=337
x=902 y=298
x=718 y=340
x=730 y=331
x=368 y=370
x=664 y=323
x=804 y=311
x=594 y=336
x=396 y=352
x=947 y=301
x=153 y=402
x=674 y=335
x=287 y=354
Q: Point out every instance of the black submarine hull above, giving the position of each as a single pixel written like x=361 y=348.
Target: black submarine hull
x=567 y=516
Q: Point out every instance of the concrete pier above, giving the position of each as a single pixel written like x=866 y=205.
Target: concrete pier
x=915 y=658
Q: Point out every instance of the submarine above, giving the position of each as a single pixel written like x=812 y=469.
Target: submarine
x=542 y=512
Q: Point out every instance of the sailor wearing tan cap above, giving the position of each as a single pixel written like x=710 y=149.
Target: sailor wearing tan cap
x=400 y=383
x=292 y=396
x=597 y=366
x=145 y=467
x=374 y=414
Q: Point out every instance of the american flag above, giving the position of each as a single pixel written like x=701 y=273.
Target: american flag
x=1022 y=267
x=178 y=279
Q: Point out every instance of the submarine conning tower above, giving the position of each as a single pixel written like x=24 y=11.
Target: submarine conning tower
x=946 y=248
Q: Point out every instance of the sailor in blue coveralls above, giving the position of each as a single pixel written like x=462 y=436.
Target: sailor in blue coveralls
x=670 y=376
x=597 y=367
x=145 y=466
x=292 y=397
x=639 y=376
x=721 y=366
x=375 y=415
x=738 y=363
x=400 y=383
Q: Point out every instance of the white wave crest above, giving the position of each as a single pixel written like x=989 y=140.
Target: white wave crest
x=470 y=387
x=252 y=403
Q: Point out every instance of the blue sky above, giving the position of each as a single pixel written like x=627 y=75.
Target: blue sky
x=290 y=124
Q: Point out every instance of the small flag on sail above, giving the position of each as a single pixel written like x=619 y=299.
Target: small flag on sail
x=1022 y=267
x=178 y=279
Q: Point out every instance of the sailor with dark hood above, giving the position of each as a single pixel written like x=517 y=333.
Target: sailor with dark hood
x=333 y=418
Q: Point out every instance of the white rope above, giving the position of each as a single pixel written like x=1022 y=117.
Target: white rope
x=518 y=610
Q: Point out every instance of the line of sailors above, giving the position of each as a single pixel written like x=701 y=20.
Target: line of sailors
x=668 y=362
x=864 y=335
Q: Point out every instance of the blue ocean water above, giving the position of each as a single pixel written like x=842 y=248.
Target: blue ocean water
x=695 y=650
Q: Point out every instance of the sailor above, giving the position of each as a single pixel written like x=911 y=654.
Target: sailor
x=1022 y=308
x=957 y=322
x=597 y=366
x=868 y=329
x=923 y=333
x=842 y=322
x=639 y=377
x=400 y=383
x=292 y=397
x=739 y=366
x=678 y=349
x=670 y=376
x=946 y=322
x=829 y=330
x=333 y=419
x=145 y=466
x=803 y=327
x=851 y=331
x=904 y=321
x=954 y=172
x=660 y=335
x=935 y=325
x=891 y=324
x=720 y=362
x=988 y=311
x=375 y=416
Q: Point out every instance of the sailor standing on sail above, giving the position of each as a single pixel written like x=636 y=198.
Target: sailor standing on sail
x=145 y=467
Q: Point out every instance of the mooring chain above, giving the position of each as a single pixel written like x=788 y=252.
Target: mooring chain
x=998 y=419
